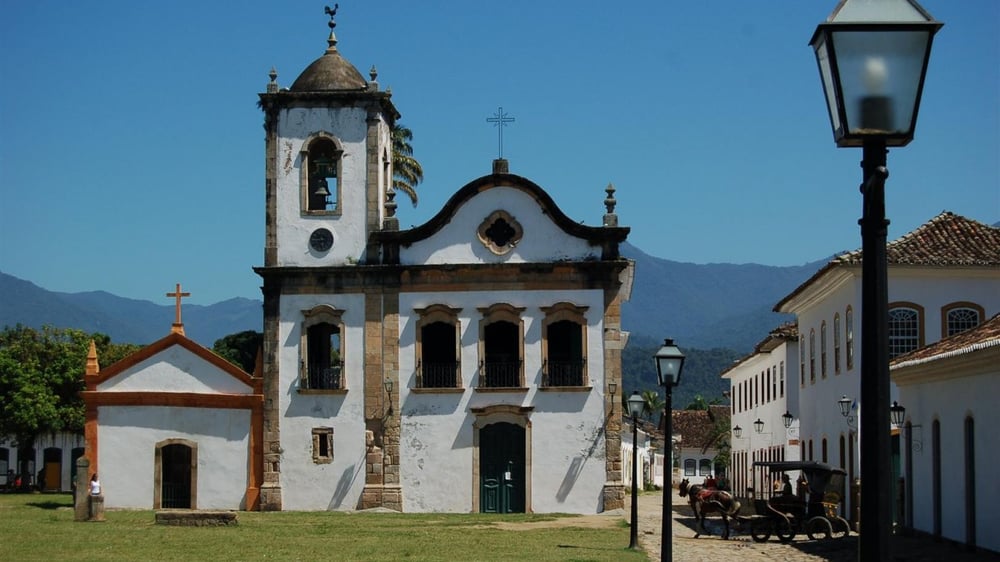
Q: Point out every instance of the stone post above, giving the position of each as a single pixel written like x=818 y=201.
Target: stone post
x=96 y=507
x=81 y=500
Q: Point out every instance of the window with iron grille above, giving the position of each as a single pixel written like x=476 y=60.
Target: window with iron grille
x=564 y=341
x=321 y=349
x=438 y=347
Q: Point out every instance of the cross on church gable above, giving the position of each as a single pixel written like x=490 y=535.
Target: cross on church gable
x=500 y=120
x=178 y=326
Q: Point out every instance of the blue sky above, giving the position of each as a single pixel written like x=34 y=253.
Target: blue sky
x=131 y=153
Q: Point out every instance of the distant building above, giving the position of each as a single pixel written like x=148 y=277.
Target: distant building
x=701 y=436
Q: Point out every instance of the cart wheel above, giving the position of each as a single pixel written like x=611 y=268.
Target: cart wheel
x=784 y=530
x=841 y=528
x=760 y=530
x=819 y=527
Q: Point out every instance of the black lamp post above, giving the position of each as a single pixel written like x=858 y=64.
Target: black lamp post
x=635 y=404
x=669 y=362
x=872 y=60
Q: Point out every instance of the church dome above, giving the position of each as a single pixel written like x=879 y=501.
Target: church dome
x=331 y=72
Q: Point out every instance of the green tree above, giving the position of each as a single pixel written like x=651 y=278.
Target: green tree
x=698 y=403
x=652 y=403
x=41 y=376
x=406 y=170
x=240 y=349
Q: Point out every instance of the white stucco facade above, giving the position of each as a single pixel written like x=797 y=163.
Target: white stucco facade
x=128 y=437
x=948 y=446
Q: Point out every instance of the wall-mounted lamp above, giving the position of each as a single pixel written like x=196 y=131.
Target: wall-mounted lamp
x=758 y=425
x=845 y=405
x=612 y=390
x=738 y=432
x=897 y=413
x=786 y=419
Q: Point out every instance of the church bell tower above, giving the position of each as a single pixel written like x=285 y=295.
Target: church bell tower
x=328 y=174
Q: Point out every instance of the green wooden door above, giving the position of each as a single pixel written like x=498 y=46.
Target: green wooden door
x=501 y=468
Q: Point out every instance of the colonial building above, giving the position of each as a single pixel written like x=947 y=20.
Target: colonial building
x=461 y=365
x=760 y=395
x=949 y=452
x=47 y=466
x=700 y=439
x=943 y=278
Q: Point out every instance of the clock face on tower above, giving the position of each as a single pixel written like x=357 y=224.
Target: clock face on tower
x=321 y=240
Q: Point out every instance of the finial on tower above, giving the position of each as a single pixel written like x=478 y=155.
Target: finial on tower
x=332 y=40
x=272 y=86
x=610 y=218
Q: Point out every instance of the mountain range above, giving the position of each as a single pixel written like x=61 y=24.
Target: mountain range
x=702 y=306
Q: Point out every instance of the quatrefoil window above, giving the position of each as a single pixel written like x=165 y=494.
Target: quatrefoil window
x=500 y=232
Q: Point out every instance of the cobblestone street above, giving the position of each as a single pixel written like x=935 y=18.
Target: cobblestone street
x=741 y=546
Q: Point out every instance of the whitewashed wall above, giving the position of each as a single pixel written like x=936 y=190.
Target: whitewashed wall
x=950 y=402
x=457 y=242
x=127 y=438
x=349 y=126
x=568 y=467
x=305 y=484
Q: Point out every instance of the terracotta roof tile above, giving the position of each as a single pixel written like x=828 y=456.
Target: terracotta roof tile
x=947 y=239
x=985 y=335
x=695 y=426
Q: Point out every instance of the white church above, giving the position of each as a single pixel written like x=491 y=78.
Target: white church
x=465 y=365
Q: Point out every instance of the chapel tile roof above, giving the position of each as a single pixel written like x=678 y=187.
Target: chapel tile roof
x=695 y=426
x=945 y=240
x=985 y=335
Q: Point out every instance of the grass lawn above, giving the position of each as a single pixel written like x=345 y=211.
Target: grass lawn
x=41 y=526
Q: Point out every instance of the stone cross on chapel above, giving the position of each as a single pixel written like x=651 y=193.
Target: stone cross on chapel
x=178 y=326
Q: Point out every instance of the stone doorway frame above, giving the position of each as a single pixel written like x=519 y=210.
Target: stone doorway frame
x=158 y=471
x=499 y=413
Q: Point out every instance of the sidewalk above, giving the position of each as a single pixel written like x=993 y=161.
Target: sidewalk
x=711 y=548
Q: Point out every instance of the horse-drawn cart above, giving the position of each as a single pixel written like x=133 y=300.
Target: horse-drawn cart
x=813 y=512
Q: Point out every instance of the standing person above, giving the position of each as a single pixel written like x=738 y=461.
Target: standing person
x=786 y=490
x=710 y=481
x=95 y=485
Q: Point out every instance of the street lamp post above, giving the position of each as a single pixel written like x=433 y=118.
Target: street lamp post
x=635 y=404
x=872 y=59
x=669 y=362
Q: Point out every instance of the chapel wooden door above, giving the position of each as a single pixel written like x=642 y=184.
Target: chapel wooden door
x=176 y=477
x=501 y=468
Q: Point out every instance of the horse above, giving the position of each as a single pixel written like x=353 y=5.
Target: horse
x=704 y=501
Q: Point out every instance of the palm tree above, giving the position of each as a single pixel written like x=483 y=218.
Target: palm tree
x=406 y=170
x=652 y=403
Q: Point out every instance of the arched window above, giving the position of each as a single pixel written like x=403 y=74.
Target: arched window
x=836 y=343
x=822 y=345
x=802 y=361
x=438 y=347
x=501 y=347
x=320 y=178
x=321 y=349
x=705 y=467
x=564 y=340
x=960 y=316
x=812 y=356
x=905 y=332
x=849 y=336
x=689 y=467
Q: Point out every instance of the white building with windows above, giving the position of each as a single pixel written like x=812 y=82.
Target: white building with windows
x=760 y=396
x=943 y=278
x=47 y=466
